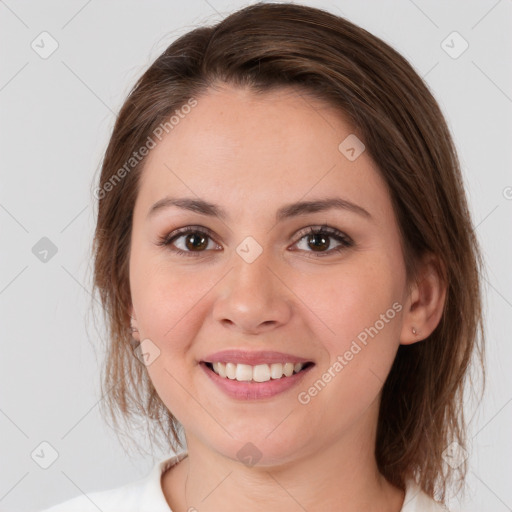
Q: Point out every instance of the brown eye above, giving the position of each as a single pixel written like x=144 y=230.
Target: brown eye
x=319 y=240
x=196 y=241
x=189 y=241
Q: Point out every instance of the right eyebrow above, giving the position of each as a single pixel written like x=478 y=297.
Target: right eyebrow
x=187 y=203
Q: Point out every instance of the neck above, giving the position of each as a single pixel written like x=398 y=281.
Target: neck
x=339 y=476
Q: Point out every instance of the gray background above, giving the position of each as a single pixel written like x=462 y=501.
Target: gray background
x=56 y=115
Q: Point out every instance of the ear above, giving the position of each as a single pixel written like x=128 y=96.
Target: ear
x=133 y=325
x=425 y=303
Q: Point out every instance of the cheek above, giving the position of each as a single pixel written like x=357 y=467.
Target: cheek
x=352 y=296
x=168 y=302
x=357 y=313
x=169 y=312
x=357 y=310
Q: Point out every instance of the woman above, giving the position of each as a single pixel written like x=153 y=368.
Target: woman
x=289 y=273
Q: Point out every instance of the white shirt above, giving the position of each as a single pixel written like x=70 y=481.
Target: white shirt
x=146 y=495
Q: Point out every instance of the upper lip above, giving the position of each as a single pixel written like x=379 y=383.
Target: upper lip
x=253 y=358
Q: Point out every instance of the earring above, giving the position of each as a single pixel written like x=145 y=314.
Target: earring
x=413 y=330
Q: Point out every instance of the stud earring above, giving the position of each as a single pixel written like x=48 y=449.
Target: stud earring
x=413 y=330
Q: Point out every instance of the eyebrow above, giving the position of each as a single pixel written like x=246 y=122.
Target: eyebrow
x=285 y=212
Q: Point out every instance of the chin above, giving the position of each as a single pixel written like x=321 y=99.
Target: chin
x=253 y=449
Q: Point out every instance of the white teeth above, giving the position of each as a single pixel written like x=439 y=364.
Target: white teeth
x=230 y=370
x=258 y=373
x=261 y=373
x=288 y=369
x=276 y=370
x=243 y=372
x=221 y=370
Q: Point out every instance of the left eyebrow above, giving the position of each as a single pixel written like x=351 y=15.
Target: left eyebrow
x=285 y=212
x=320 y=205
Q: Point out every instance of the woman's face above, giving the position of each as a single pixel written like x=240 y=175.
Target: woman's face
x=251 y=285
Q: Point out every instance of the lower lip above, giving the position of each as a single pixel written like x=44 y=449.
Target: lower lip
x=254 y=390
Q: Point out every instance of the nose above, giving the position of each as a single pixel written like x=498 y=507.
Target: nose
x=253 y=297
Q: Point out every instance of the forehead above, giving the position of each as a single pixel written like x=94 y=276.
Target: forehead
x=262 y=149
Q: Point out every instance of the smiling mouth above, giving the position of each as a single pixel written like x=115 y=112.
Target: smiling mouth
x=256 y=373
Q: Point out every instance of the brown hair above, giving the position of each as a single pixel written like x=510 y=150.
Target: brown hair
x=267 y=46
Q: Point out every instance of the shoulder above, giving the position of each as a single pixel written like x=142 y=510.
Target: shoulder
x=138 y=496
x=418 y=501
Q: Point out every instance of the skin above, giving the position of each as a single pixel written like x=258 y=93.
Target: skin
x=251 y=155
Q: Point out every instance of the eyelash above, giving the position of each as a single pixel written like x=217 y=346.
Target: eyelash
x=345 y=241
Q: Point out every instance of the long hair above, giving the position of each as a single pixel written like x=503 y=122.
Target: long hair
x=268 y=46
